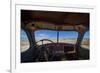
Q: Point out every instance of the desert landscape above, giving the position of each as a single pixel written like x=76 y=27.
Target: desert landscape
x=85 y=43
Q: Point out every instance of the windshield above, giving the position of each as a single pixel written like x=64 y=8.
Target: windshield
x=45 y=34
x=68 y=37
x=63 y=36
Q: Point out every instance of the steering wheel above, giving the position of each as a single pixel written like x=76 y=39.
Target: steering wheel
x=43 y=51
x=44 y=40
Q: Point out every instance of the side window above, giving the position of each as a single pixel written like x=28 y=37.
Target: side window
x=85 y=42
x=24 y=41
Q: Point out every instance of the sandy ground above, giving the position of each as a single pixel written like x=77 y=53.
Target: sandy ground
x=25 y=43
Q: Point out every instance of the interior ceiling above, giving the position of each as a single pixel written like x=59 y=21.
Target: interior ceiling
x=64 y=19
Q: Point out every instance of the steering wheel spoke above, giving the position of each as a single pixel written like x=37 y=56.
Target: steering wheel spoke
x=43 y=50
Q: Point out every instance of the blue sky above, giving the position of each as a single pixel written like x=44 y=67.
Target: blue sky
x=53 y=34
x=42 y=34
x=23 y=35
x=87 y=35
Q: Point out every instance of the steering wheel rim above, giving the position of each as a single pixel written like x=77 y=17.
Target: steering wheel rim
x=45 y=40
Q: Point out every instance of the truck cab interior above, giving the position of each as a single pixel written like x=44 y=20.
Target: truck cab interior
x=56 y=47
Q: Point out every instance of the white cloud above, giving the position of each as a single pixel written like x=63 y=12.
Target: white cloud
x=42 y=36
